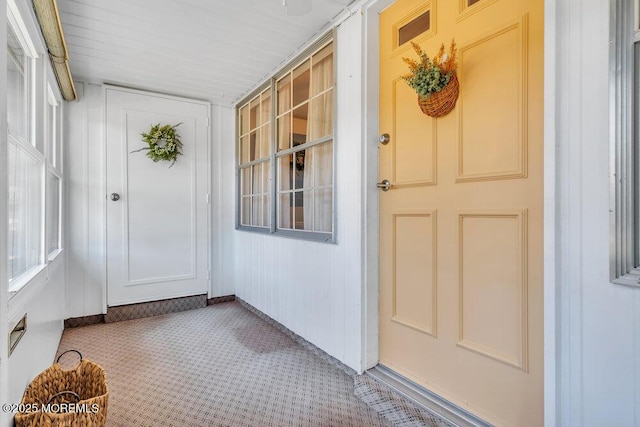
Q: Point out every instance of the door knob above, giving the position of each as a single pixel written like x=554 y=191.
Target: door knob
x=384 y=139
x=385 y=185
x=115 y=197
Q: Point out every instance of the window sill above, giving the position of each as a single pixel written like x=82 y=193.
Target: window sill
x=291 y=234
x=21 y=281
x=632 y=278
x=53 y=255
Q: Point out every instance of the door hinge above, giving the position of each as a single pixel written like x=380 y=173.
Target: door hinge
x=207 y=121
x=208 y=199
x=208 y=274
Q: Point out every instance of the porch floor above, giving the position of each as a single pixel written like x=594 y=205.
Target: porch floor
x=215 y=366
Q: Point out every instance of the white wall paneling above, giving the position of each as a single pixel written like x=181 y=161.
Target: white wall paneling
x=316 y=289
x=223 y=196
x=43 y=302
x=85 y=173
x=5 y=419
x=598 y=338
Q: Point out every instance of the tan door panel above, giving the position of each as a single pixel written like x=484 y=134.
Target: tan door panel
x=461 y=303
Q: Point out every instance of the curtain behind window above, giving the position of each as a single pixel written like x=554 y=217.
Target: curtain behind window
x=318 y=170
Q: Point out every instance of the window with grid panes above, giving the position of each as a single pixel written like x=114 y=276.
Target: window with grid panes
x=255 y=161
x=303 y=115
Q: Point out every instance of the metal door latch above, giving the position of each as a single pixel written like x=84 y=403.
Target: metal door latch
x=385 y=185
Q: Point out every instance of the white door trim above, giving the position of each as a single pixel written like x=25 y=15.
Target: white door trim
x=551 y=241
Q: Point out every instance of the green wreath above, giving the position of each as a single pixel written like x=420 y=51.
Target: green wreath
x=163 y=143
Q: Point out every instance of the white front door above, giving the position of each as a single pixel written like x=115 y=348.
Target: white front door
x=157 y=216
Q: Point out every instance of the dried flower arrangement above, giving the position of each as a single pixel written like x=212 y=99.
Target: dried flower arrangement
x=434 y=80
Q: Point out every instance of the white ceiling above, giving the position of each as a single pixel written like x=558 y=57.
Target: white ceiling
x=207 y=49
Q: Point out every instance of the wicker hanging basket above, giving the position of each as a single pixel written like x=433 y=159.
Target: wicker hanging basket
x=54 y=391
x=440 y=103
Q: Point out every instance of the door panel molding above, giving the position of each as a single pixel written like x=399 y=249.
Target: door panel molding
x=483 y=272
x=477 y=90
x=420 y=147
x=421 y=273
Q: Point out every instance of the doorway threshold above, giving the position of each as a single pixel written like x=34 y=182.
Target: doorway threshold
x=404 y=402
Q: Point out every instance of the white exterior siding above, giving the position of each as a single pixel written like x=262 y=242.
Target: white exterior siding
x=316 y=289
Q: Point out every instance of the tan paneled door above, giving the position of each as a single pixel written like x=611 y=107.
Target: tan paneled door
x=461 y=239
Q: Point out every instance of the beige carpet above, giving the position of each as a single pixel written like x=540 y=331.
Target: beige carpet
x=215 y=366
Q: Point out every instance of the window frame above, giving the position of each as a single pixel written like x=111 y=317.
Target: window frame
x=271 y=83
x=624 y=103
x=42 y=90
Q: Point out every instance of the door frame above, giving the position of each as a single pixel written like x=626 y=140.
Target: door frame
x=111 y=87
x=371 y=61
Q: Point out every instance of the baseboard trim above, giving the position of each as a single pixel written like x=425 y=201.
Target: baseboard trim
x=75 y=322
x=220 y=300
x=426 y=399
x=147 y=309
x=298 y=339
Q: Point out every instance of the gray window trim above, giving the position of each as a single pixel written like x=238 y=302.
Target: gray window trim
x=624 y=161
x=273 y=229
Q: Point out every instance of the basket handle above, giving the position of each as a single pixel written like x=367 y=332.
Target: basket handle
x=69 y=351
x=63 y=393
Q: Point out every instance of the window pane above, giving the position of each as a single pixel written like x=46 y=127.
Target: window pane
x=323 y=203
x=265 y=140
x=25 y=207
x=266 y=177
x=256 y=207
x=245 y=215
x=322 y=70
x=285 y=210
x=245 y=181
x=17 y=68
x=53 y=213
x=254 y=113
x=285 y=172
x=300 y=115
x=254 y=146
x=284 y=132
x=304 y=210
x=321 y=116
x=414 y=28
x=323 y=164
x=244 y=149
x=257 y=175
x=284 y=94
x=266 y=210
x=265 y=107
x=244 y=120
x=51 y=116
x=301 y=82
x=303 y=170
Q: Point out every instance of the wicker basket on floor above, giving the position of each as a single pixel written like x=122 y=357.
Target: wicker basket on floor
x=86 y=384
x=441 y=103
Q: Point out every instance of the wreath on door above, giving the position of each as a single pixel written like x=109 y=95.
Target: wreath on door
x=163 y=143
